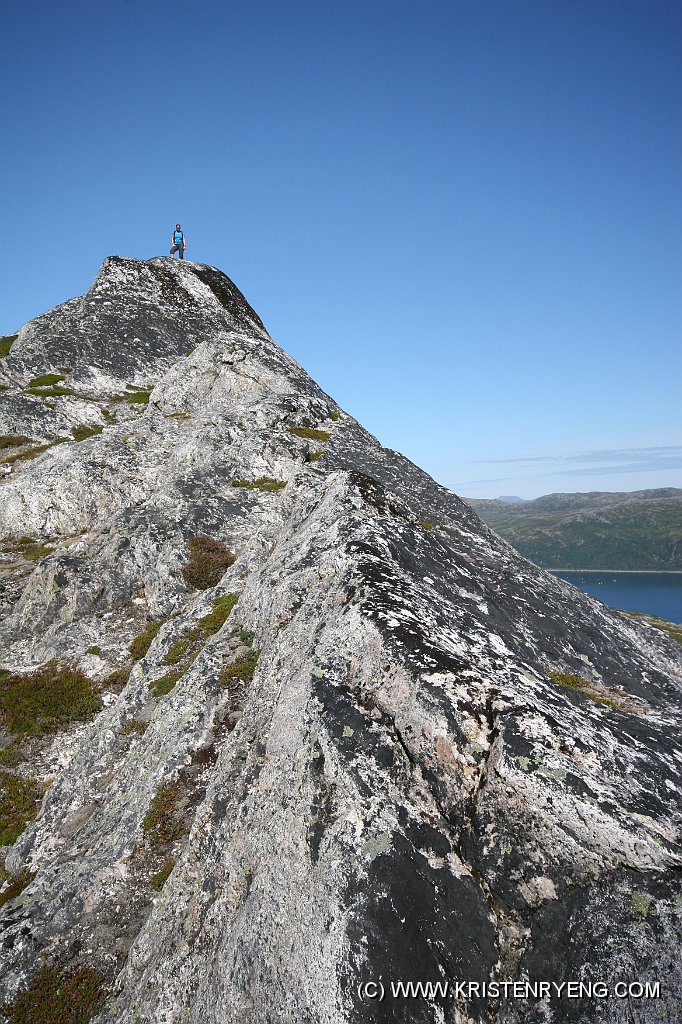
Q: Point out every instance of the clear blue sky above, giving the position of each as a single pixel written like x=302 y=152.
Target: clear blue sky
x=463 y=217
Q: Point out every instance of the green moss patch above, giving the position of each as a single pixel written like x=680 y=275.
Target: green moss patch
x=162 y=823
x=55 y=391
x=177 y=416
x=161 y=876
x=641 y=903
x=13 y=440
x=216 y=618
x=177 y=650
x=335 y=415
x=109 y=415
x=81 y=433
x=117 y=679
x=165 y=683
x=46 y=379
x=12 y=753
x=139 y=646
x=33 y=453
x=207 y=562
x=134 y=728
x=27 y=453
x=6 y=342
x=240 y=671
x=34 y=552
x=427 y=524
x=137 y=396
x=29 y=548
x=246 y=636
x=16 y=886
x=313 y=456
x=263 y=483
x=19 y=803
x=310 y=432
x=584 y=686
x=47 y=700
x=56 y=997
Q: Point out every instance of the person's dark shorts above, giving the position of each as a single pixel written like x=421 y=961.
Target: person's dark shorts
x=180 y=248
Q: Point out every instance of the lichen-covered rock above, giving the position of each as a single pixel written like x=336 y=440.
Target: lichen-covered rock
x=362 y=769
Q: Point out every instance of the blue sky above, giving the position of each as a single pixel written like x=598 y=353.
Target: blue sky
x=463 y=218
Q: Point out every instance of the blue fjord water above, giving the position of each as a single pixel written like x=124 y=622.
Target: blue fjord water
x=658 y=593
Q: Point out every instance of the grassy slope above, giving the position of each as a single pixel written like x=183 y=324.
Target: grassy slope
x=598 y=530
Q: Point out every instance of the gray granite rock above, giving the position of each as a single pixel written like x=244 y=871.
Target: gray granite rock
x=400 y=791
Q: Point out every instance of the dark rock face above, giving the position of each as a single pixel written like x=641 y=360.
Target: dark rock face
x=363 y=772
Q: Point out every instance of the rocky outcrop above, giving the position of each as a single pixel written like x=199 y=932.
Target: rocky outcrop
x=394 y=751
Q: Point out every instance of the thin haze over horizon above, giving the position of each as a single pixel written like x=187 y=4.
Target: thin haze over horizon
x=462 y=217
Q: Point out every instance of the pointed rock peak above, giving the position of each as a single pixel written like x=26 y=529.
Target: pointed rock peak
x=136 y=318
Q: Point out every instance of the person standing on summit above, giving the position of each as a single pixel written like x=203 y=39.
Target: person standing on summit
x=178 y=242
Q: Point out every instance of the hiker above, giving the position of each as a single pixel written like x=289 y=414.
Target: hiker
x=178 y=242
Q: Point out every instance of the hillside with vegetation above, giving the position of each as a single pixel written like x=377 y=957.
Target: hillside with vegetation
x=598 y=530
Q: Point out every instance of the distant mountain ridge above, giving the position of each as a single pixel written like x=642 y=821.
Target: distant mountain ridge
x=594 y=530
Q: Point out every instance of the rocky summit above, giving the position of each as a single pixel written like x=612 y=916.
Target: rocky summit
x=284 y=725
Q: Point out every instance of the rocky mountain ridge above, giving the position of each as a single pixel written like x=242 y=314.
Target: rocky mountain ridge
x=330 y=729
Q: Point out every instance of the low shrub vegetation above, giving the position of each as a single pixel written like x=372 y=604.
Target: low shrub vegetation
x=208 y=560
x=240 y=671
x=46 y=379
x=216 y=618
x=133 y=727
x=47 y=700
x=34 y=552
x=6 y=342
x=81 y=433
x=29 y=548
x=177 y=650
x=32 y=453
x=16 y=886
x=140 y=644
x=312 y=433
x=162 y=824
x=313 y=456
x=165 y=683
x=56 y=997
x=263 y=483
x=13 y=440
x=117 y=679
x=134 y=396
x=12 y=753
x=584 y=686
x=20 y=798
x=161 y=876
x=54 y=391
x=335 y=415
